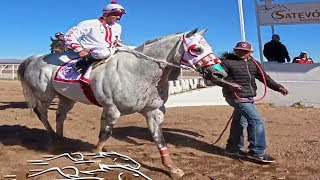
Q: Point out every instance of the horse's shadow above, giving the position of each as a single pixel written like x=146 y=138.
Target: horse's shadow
x=22 y=105
x=177 y=137
x=38 y=140
x=16 y=105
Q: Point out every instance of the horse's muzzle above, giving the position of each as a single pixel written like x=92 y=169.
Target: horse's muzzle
x=213 y=72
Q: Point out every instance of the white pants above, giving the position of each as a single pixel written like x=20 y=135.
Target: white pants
x=101 y=53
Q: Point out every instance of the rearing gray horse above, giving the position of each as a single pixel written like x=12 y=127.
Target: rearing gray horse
x=129 y=82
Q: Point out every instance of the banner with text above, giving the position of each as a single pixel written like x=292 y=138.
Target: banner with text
x=293 y=13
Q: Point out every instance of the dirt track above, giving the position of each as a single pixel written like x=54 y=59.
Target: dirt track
x=293 y=139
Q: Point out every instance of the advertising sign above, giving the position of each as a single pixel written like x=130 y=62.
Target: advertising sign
x=293 y=13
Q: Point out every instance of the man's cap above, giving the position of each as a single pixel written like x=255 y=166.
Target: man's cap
x=114 y=7
x=244 y=46
x=58 y=34
x=303 y=52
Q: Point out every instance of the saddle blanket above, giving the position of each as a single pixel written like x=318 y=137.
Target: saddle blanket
x=68 y=73
x=72 y=84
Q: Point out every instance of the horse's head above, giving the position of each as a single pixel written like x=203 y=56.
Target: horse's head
x=189 y=49
x=198 y=54
x=57 y=46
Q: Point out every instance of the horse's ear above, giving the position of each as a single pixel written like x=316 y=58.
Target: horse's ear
x=202 y=31
x=191 y=33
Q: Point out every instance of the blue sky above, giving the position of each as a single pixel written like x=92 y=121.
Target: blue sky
x=26 y=26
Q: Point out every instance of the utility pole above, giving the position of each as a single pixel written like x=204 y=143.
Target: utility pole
x=243 y=33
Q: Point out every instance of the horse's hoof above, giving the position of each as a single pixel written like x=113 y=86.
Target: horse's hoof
x=104 y=149
x=176 y=173
x=100 y=148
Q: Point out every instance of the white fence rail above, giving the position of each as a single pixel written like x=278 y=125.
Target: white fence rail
x=184 y=85
x=8 y=71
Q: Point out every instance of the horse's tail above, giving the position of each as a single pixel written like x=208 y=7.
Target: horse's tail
x=27 y=91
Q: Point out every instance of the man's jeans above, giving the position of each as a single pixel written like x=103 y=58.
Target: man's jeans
x=246 y=115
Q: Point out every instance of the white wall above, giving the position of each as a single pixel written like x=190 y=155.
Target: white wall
x=301 y=80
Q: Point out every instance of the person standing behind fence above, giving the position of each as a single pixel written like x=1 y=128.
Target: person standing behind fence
x=275 y=51
x=302 y=59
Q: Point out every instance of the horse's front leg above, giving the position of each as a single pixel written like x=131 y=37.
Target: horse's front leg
x=108 y=120
x=154 y=119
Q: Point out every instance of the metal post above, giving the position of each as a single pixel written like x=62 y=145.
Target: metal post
x=272 y=30
x=243 y=35
x=258 y=30
x=13 y=71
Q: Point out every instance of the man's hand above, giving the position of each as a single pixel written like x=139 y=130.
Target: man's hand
x=236 y=86
x=83 y=53
x=118 y=43
x=283 y=91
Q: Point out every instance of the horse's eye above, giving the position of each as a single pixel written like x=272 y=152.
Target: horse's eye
x=198 y=50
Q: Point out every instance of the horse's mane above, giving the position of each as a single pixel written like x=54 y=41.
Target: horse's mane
x=149 y=42
x=158 y=39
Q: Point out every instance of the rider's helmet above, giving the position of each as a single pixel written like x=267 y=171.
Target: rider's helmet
x=58 y=34
x=114 y=7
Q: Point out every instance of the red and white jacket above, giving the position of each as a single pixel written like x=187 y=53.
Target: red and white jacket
x=92 y=34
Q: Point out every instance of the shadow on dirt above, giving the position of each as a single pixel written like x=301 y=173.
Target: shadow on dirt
x=38 y=140
x=177 y=137
x=22 y=105
x=18 y=105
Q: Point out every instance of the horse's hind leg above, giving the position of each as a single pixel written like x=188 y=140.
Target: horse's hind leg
x=108 y=120
x=41 y=110
x=64 y=106
x=154 y=119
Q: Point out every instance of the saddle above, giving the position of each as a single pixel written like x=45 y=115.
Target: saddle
x=83 y=64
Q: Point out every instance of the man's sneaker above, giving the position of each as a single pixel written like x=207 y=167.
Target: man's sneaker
x=239 y=153
x=263 y=158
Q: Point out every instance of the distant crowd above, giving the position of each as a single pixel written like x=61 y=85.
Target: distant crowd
x=275 y=51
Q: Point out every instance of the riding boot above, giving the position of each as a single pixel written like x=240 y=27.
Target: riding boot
x=83 y=64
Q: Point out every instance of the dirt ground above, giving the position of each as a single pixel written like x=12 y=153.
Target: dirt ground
x=292 y=135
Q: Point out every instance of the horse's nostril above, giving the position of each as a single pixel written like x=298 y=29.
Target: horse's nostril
x=220 y=76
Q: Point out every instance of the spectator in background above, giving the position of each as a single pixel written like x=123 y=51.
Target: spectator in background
x=303 y=59
x=58 y=44
x=275 y=51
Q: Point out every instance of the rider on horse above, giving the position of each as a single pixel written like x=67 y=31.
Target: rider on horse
x=96 y=39
x=58 y=44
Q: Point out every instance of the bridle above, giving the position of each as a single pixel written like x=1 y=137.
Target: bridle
x=200 y=62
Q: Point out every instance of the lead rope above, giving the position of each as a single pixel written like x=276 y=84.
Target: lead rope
x=264 y=94
x=264 y=82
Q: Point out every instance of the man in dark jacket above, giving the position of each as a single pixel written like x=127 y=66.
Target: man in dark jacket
x=275 y=51
x=242 y=69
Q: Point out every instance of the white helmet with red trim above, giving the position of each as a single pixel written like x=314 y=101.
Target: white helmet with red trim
x=114 y=7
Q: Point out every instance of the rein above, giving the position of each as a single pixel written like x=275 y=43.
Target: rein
x=159 y=60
